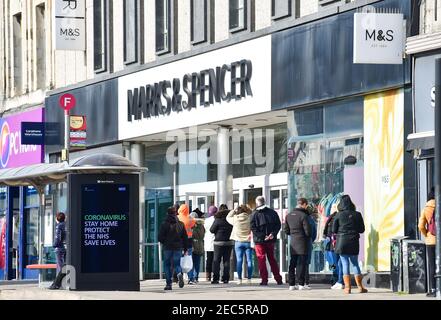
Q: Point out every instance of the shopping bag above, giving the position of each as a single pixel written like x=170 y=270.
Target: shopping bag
x=186 y=263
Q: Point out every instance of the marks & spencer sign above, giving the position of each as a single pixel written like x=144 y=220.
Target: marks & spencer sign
x=208 y=88
x=202 y=88
x=70 y=26
x=379 y=38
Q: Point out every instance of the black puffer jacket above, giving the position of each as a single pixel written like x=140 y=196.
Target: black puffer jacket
x=298 y=227
x=172 y=234
x=60 y=236
x=348 y=225
x=220 y=227
x=265 y=221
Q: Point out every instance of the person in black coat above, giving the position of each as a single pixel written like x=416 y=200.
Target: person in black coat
x=60 y=250
x=348 y=224
x=297 y=226
x=265 y=225
x=222 y=244
x=173 y=237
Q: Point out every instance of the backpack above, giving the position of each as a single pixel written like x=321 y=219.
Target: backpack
x=198 y=239
x=432 y=226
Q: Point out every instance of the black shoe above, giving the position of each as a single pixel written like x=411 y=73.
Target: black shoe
x=431 y=295
x=181 y=280
x=279 y=282
x=263 y=284
x=225 y=281
x=215 y=282
x=168 y=287
x=53 y=287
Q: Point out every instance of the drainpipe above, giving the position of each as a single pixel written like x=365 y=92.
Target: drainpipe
x=438 y=175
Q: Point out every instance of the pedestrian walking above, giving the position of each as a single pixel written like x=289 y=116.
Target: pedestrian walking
x=426 y=225
x=265 y=225
x=298 y=228
x=60 y=250
x=173 y=237
x=198 y=242
x=240 y=219
x=348 y=225
x=189 y=222
x=209 y=242
x=222 y=245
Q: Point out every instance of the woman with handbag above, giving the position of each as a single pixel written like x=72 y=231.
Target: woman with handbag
x=348 y=225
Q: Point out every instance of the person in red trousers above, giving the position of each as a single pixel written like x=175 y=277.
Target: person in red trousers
x=265 y=225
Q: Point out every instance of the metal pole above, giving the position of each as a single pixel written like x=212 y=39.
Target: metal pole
x=66 y=133
x=160 y=260
x=438 y=175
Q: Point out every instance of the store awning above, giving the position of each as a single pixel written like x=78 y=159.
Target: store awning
x=421 y=141
x=40 y=175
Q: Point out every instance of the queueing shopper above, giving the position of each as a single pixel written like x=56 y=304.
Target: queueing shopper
x=60 y=250
x=265 y=225
x=222 y=245
x=198 y=242
x=348 y=224
x=173 y=237
x=332 y=257
x=209 y=241
x=426 y=226
x=240 y=219
x=312 y=223
x=189 y=222
x=297 y=226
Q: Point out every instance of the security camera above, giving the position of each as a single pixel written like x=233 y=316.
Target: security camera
x=251 y=186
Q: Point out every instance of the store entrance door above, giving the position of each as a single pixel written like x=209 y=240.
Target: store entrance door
x=250 y=196
x=199 y=200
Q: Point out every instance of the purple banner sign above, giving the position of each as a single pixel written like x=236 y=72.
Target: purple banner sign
x=13 y=153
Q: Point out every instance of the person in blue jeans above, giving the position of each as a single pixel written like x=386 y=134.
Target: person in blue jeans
x=240 y=219
x=173 y=237
x=348 y=224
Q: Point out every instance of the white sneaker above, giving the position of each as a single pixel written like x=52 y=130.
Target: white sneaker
x=292 y=288
x=337 y=286
x=306 y=287
x=302 y=287
x=239 y=281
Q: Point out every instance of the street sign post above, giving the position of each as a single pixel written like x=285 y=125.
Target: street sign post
x=67 y=102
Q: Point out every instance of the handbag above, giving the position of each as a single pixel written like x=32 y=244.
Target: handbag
x=186 y=263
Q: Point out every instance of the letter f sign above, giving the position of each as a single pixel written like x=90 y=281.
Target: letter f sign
x=67 y=101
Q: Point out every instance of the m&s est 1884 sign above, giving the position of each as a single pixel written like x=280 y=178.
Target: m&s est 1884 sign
x=378 y=38
x=70 y=26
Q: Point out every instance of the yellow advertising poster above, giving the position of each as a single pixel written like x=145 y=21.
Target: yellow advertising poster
x=383 y=172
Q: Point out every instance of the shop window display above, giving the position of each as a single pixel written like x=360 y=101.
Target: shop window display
x=325 y=160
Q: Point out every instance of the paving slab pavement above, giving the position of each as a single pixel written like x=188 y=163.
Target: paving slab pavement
x=153 y=290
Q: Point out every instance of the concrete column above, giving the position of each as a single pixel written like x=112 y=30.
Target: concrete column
x=137 y=157
x=224 y=168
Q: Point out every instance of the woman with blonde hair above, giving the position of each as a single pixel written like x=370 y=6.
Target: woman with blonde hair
x=240 y=219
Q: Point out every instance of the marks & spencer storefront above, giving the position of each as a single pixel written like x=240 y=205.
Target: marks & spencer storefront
x=347 y=126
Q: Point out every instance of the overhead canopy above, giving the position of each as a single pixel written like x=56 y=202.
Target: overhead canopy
x=421 y=141
x=40 y=175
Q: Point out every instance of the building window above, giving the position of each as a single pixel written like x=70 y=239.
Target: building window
x=100 y=35
x=163 y=26
x=41 y=46
x=238 y=15
x=281 y=9
x=18 y=50
x=131 y=20
x=199 y=14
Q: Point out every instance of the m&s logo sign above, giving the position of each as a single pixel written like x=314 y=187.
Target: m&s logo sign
x=380 y=35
